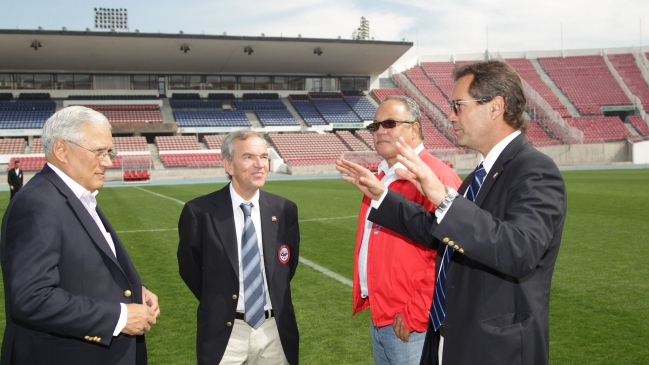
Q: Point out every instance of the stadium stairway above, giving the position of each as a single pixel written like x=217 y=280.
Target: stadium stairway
x=167 y=112
x=439 y=115
x=254 y=121
x=155 y=156
x=387 y=83
x=294 y=112
x=562 y=97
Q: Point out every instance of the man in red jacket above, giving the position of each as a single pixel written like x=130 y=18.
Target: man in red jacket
x=393 y=275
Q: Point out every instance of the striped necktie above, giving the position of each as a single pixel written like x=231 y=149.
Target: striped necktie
x=437 y=310
x=253 y=281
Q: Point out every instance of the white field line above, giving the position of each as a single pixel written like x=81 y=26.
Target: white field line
x=309 y=263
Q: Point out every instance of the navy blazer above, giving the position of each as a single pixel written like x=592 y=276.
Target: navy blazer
x=209 y=264
x=63 y=284
x=498 y=283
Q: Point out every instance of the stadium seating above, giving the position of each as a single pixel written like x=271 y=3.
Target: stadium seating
x=37 y=146
x=640 y=125
x=307 y=110
x=627 y=68
x=10 y=146
x=25 y=115
x=366 y=136
x=361 y=106
x=195 y=160
x=213 y=142
x=129 y=144
x=177 y=143
x=353 y=143
x=129 y=114
x=185 y=96
x=601 y=129
x=136 y=175
x=259 y=105
x=380 y=94
x=260 y=96
x=335 y=111
x=6 y=96
x=211 y=118
x=221 y=96
x=113 y=97
x=308 y=149
x=430 y=91
x=538 y=137
x=35 y=163
x=281 y=117
x=527 y=72
x=442 y=75
x=34 y=96
x=586 y=81
x=195 y=104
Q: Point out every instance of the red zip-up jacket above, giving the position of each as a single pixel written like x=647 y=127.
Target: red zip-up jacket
x=400 y=272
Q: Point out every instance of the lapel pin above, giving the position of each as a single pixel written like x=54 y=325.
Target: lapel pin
x=273 y=219
x=495 y=175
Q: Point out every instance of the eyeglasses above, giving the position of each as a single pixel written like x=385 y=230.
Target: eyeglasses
x=99 y=154
x=386 y=124
x=454 y=103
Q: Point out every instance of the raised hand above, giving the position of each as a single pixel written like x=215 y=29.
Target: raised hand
x=363 y=178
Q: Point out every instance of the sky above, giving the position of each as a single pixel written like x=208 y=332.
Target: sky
x=436 y=27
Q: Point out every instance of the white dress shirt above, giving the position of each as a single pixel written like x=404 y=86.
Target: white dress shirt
x=238 y=223
x=89 y=202
x=389 y=177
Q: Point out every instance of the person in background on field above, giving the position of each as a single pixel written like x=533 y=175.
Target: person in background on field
x=393 y=275
x=15 y=179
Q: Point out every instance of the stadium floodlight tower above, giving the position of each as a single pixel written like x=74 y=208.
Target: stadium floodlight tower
x=362 y=33
x=111 y=19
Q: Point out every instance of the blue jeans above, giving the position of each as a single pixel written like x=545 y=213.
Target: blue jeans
x=388 y=349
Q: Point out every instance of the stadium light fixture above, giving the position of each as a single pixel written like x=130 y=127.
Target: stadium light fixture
x=317 y=51
x=36 y=45
x=185 y=48
x=248 y=50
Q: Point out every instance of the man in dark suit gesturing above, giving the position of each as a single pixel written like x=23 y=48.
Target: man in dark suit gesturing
x=238 y=252
x=497 y=240
x=15 y=179
x=72 y=295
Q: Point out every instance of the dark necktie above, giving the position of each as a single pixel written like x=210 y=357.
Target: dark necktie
x=437 y=310
x=253 y=281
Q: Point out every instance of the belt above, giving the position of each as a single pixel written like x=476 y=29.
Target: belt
x=242 y=316
x=441 y=330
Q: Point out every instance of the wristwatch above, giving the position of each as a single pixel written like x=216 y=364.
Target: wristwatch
x=451 y=194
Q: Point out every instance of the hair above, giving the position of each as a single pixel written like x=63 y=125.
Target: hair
x=16 y=161
x=412 y=109
x=66 y=124
x=496 y=78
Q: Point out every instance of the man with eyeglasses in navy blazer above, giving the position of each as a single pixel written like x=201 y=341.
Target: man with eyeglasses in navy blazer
x=72 y=294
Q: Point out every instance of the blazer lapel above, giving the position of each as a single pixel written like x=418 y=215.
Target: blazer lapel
x=125 y=263
x=81 y=212
x=223 y=218
x=269 y=233
x=496 y=170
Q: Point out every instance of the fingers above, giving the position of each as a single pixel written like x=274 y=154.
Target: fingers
x=139 y=319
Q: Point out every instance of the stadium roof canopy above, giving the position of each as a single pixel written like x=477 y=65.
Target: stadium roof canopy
x=107 y=52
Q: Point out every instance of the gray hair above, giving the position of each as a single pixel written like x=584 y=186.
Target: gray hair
x=66 y=124
x=227 y=146
x=412 y=109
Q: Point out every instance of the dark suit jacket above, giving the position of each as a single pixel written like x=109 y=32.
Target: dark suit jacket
x=209 y=264
x=15 y=180
x=498 y=283
x=63 y=285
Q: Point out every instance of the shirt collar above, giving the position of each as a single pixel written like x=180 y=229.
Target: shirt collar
x=237 y=199
x=492 y=156
x=77 y=189
x=383 y=166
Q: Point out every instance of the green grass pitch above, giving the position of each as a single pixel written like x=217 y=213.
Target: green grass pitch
x=600 y=292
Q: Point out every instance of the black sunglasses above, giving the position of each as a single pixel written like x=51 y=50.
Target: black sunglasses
x=454 y=103
x=386 y=124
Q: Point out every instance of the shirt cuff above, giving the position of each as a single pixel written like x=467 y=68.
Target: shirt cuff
x=377 y=203
x=121 y=323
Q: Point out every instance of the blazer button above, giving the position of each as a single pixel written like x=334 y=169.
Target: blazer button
x=457 y=248
x=127 y=293
x=88 y=338
x=98 y=339
x=445 y=240
x=450 y=243
x=234 y=296
x=229 y=324
x=460 y=250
